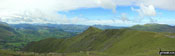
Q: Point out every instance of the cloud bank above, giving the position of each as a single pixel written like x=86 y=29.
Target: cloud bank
x=46 y=11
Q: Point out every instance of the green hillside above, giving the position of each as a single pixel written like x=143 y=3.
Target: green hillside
x=154 y=28
x=15 y=38
x=110 y=42
x=5 y=31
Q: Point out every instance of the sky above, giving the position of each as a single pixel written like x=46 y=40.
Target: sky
x=88 y=12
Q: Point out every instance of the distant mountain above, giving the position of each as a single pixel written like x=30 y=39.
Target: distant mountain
x=103 y=27
x=5 y=31
x=41 y=30
x=109 y=42
x=154 y=28
x=65 y=27
x=16 y=36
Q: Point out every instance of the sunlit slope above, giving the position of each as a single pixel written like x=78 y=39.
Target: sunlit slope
x=14 y=38
x=154 y=28
x=143 y=43
x=111 y=42
x=61 y=44
x=5 y=31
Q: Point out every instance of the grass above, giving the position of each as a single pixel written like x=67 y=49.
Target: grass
x=110 y=42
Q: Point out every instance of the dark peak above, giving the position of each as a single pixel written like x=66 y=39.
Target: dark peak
x=93 y=29
x=3 y=23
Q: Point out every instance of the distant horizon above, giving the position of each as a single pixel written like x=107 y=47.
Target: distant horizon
x=85 y=24
x=88 y=12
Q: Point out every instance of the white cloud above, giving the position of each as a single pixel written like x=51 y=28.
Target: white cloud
x=117 y=22
x=46 y=11
x=109 y=4
x=124 y=17
x=145 y=10
x=163 y=4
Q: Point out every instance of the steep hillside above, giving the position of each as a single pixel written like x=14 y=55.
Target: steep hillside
x=60 y=42
x=15 y=38
x=154 y=28
x=110 y=42
x=5 y=31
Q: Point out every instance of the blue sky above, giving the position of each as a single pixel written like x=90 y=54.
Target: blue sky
x=99 y=13
x=107 y=14
x=88 y=12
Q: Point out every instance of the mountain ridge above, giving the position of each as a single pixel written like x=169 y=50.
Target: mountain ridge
x=110 y=41
x=154 y=28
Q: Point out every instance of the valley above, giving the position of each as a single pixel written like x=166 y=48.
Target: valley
x=34 y=40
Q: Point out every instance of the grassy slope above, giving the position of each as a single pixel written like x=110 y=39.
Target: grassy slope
x=110 y=42
x=5 y=31
x=154 y=28
x=142 y=43
x=15 y=38
x=54 y=43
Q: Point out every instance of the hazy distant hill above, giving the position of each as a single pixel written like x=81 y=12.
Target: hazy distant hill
x=110 y=42
x=154 y=28
x=16 y=37
x=65 y=27
x=5 y=31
